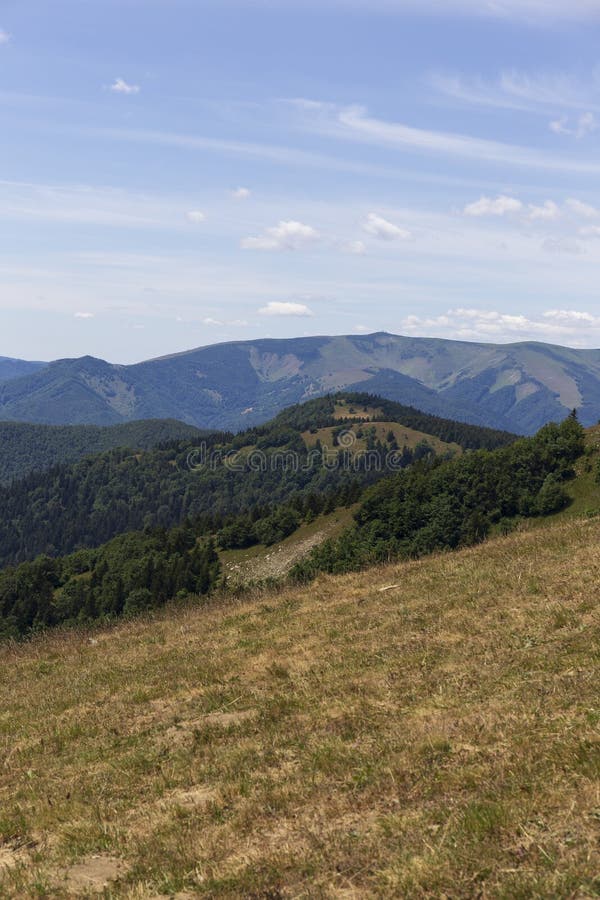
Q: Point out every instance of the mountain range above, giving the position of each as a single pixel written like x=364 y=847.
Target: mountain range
x=517 y=387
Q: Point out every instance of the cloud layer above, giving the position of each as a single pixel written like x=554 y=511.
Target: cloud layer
x=494 y=326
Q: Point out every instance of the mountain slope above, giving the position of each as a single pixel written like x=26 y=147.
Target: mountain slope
x=518 y=387
x=26 y=448
x=420 y=730
x=85 y=503
x=17 y=368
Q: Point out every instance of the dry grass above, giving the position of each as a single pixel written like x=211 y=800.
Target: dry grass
x=406 y=437
x=435 y=739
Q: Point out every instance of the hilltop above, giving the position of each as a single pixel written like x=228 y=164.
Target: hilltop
x=417 y=730
x=232 y=386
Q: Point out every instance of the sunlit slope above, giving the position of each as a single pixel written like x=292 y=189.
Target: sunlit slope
x=427 y=729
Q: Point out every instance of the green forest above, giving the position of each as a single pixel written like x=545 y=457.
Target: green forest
x=433 y=503
x=86 y=503
x=124 y=530
x=438 y=505
x=134 y=572
x=26 y=448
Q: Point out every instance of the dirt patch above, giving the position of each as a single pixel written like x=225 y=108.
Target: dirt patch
x=180 y=895
x=182 y=733
x=11 y=857
x=95 y=873
x=226 y=719
x=278 y=561
x=190 y=798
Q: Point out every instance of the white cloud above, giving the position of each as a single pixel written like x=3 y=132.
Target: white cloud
x=582 y=209
x=209 y=321
x=361 y=329
x=240 y=193
x=549 y=212
x=581 y=127
x=287 y=235
x=354 y=248
x=120 y=86
x=195 y=216
x=559 y=126
x=586 y=125
x=5 y=37
x=571 y=315
x=380 y=228
x=275 y=308
x=498 y=206
x=588 y=231
x=84 y=315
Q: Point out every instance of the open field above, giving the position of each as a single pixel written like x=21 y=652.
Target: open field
x=427 y=729
x=406 y=437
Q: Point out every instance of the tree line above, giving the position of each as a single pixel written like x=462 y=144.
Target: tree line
x=439 y=505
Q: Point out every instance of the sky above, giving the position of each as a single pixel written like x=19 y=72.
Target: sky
x=176 y=173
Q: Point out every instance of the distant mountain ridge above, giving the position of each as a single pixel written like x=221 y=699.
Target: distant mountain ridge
x=16 y=368
x=518 y=387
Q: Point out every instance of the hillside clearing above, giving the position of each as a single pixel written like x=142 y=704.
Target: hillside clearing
x=437 y=738
x=259 y=563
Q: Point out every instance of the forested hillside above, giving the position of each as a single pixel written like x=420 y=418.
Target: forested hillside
x=133 y=572
x=444 y=505
x=26 y=448
x=436 y=503
x=89 y=502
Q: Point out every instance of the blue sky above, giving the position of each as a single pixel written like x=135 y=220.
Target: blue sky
x=180 y=172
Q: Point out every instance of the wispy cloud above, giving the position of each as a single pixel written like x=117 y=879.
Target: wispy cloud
x=120 y=86
x=270 y=153
x=5 y=37
x=585 y=210
x=580 y=128
x=196 y=216
x=240 y=193
x=380 y=228
x=354 y=248
x=540 y=13
x=355 y=124
x=538 y=91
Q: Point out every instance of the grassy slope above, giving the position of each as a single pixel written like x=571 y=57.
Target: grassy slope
x=406 y=437
x=426 y=729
